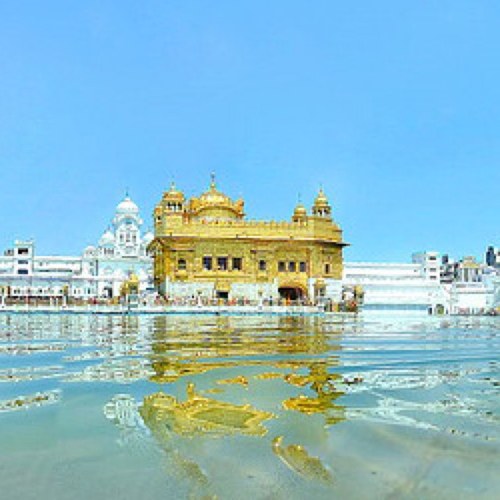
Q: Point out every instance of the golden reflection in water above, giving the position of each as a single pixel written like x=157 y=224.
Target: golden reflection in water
x=193 y=348
x=201 y=415
x=322 y=383
x=268 y=376
x=201 y=348
x=239 y=380
x=190 y=339
x=298 y=459
x=295 y=350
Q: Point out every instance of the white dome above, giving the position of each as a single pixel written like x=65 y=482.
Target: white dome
x=107 y=238
x=127 y=206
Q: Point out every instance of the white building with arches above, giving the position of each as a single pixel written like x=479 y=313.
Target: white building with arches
x=98 y=273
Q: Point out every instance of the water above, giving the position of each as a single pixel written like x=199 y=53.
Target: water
x=141 y=407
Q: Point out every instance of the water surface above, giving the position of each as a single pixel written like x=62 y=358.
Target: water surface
x=131 y=407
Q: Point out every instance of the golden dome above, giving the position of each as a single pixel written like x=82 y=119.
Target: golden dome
x=321 y=207
x=216 y=205
x=300 y=211
x=321 y=199
x=214 y=197
x=173 y=194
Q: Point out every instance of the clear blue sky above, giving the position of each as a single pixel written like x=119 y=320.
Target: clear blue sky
x=393 y=106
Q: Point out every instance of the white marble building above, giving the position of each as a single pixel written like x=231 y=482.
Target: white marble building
x=394 y=286
x=471 y=288
x=121 y=251
x=98 y=273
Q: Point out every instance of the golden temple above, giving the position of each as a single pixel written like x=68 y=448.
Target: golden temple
x=205 y=248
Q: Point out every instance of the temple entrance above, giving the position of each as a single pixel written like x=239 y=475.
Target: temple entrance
x=220 y=294
x=291 y=293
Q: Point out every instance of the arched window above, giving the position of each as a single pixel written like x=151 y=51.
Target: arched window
x=181 y=264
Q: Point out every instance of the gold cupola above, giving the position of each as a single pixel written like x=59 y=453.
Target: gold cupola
x=300 y=212
x=215 y=205
x=173 y=199
x=321 y=207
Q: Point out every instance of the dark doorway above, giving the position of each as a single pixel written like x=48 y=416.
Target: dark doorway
x=222 y=295
x=108 y=292
x=291 y=293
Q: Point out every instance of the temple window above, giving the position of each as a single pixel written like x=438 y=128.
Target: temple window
x=303 y=267
x=327 y=268
x=222 y=263
x=281 y=266
x=207 y=263
x=237 y=263
x=262 y=265
x=292 y=267
x=181 y=264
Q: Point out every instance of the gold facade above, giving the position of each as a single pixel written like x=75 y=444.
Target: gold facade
x=206 y=240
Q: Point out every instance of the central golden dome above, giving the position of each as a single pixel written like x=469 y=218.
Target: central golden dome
x=214 y=197
x=213 y=204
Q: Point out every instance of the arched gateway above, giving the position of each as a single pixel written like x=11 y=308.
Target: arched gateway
x=292 y=292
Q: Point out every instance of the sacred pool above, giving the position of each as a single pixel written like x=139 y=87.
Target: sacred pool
x=280 y=407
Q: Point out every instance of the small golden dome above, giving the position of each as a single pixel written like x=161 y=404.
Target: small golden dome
x=321 y=199
x=173 y=194
x=300 y=211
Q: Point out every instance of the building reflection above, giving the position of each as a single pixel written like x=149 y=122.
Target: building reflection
x=267 y=370
x=297 y=348
x=200 y=415
x=322 y=383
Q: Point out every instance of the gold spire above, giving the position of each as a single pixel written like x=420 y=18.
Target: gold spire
x=321 y=205
x=321 y=199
